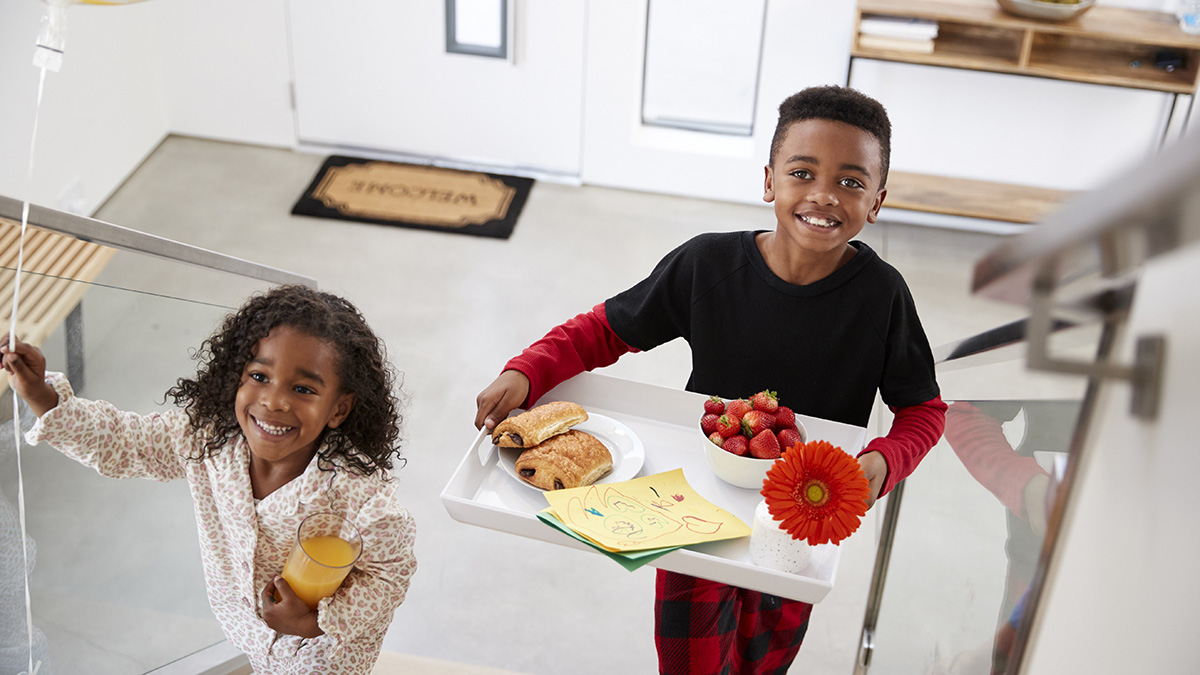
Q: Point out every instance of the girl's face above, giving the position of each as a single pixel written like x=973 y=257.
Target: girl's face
x=290 y=392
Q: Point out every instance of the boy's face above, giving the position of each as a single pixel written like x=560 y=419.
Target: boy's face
x=290 y=392
x=824 y=182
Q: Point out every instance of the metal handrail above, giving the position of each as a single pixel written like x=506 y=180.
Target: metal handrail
x=115 y=236
x=1134 y=217
x=956 y=353
x=1145 y=212
x=988 y=341
x=883 y=558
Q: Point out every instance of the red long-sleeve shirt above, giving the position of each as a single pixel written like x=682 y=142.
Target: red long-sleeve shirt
x=978 y=440
x=587 y=342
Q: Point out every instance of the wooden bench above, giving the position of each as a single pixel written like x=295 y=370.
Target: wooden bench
x=56 y=272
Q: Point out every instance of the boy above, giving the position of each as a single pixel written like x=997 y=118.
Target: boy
x=801 y=310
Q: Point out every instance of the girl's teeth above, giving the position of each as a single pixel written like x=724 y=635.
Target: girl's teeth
x=273 y=430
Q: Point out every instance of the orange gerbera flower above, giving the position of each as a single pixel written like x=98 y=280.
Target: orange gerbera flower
x=818 y=491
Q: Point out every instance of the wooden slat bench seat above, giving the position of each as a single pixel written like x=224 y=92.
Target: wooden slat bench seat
x=56 y=272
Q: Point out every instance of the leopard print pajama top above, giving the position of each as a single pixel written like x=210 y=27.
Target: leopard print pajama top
x=243 y=543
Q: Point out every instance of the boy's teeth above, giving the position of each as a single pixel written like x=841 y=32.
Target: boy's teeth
x=819 y=222
x=277 y=431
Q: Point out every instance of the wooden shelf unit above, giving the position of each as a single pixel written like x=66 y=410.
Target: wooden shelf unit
x=1100 y=47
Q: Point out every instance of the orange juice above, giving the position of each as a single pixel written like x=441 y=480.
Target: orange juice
x=316 y=568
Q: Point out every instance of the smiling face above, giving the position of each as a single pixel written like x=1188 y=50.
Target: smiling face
x=290 y=392
x=824 y=181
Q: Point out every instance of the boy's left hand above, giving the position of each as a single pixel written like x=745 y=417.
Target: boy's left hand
x=875 y=468
x=289 y=615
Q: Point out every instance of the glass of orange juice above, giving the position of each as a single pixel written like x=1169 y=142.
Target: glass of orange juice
x=327 y=546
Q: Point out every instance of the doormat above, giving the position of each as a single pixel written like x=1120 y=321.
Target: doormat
x=412 y=195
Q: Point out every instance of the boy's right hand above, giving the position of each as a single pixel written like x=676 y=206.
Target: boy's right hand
x=26 y=368
x=505 y=393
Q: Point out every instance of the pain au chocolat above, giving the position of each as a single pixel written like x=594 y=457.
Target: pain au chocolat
x=538 y=424
x=568 y=460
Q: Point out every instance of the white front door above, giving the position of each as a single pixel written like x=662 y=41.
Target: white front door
x=376 y=75
x=626 y=144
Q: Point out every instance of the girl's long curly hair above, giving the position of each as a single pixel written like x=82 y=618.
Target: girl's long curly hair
x=368 y=438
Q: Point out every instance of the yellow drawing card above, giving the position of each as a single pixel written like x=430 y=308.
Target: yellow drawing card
x=647 y=512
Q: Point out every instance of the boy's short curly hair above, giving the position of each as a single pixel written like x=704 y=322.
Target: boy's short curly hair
x=840 y=104
x=365 y=441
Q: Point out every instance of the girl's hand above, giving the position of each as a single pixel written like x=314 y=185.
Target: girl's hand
x=26 y=368
x=289 y=615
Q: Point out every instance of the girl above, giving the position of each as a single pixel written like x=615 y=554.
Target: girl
x=291 y=413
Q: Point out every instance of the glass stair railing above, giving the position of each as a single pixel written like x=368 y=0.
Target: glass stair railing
x=964 y=566
x=116 y=584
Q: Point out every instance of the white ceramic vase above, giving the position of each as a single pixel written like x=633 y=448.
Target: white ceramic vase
x=772 y=547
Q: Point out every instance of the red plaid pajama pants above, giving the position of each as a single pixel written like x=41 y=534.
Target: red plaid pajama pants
x=703 y=627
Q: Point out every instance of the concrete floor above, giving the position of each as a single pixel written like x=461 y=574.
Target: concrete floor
x=452 y=309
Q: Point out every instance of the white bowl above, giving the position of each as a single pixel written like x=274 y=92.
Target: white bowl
x=744 y=472
x=1048 y=11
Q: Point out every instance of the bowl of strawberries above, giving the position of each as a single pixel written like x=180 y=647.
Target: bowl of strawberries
x=744 y=437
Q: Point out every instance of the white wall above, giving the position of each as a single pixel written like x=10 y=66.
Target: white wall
x=1012 y=128
x=1123 y=595
x=130 y=75
x=225 y=69
x=221 y=69
x=100 y=115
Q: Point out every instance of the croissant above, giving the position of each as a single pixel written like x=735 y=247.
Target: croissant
x=568 y=460
x=537 y=424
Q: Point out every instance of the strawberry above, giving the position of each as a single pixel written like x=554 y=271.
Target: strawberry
x=728 y=425
x=784 y=419
x=788 y=438
x=739 y=407
x=717 y=439
x=765 y=400
x=737 y=444
x=764 y=445
x=756 y=421
x=708 y=423
x=714 y=405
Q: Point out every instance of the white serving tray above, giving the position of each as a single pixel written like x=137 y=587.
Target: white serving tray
x=667 y=421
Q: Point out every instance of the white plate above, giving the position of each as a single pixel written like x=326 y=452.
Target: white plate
x=628 y=453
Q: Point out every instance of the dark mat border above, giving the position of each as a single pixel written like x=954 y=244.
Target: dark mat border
x=503 y=228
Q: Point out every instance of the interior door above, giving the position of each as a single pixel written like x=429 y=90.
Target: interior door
x=375 y=74
x=702 y=148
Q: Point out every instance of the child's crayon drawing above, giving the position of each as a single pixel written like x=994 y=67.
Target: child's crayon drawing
x=633 y=514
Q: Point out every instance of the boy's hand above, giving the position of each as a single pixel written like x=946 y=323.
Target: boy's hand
x=505 y=393
x=289 y=615
x=1034 y=497
x=875 y=468
x=26 y=368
